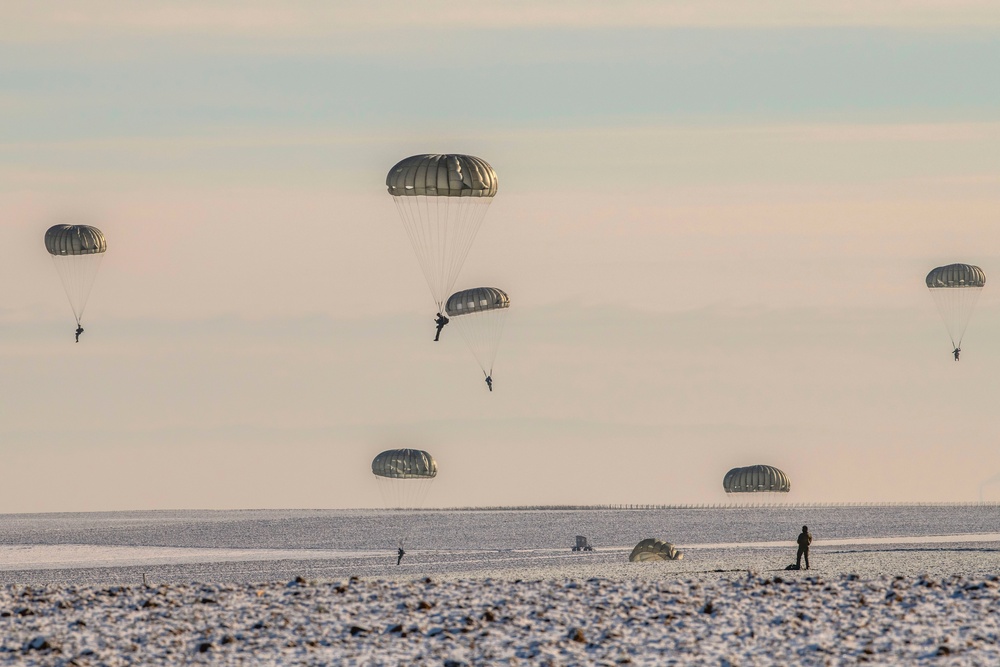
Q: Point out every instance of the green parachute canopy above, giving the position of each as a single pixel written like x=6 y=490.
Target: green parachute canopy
x=404 y=476
x=404 y=464
x=62 y=240
x=76 y=251
x=441 y=200
x=756 y=479
x=437 y=175
x=476 y=300
x=654 y=550
x=956 y=289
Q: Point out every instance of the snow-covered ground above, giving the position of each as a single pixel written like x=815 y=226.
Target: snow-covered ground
x=269 y=545
x=890 y=585
x=739 y=620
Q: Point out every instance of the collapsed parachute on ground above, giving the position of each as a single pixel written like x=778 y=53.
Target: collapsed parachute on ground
x=956 y=290
x=442 y=200
x=654 y=550
x=77 y=251
x=404 y=476
x=479 y=314
x=756 y=479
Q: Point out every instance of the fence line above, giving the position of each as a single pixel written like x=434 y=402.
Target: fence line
x=705 y=506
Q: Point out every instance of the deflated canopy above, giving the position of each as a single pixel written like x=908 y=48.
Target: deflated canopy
x=442 y=176
x=956 y=275
x=405 y=464
x=62 y=240
x=753 y=479
x=653 y=550
x=476 y=300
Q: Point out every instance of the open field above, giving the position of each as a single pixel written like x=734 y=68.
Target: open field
x=889 y=585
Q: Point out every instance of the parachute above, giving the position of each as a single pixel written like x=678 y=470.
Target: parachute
x=956 y=290
x=77 y=251
x=479 y=314
x=654 y=550
x=442 y=200
x=756 y=479
x=404 y=476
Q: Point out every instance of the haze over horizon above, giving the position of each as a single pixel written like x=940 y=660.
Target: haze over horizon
x=714 y=233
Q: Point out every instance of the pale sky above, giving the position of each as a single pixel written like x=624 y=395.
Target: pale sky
x=713 y=224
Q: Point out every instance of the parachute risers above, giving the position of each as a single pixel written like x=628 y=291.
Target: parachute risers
x=956 y=289
x=77 y=251
x=650 y=550
x=404 y=476
x=441 y=200
x=756 y=479
x=479 y=314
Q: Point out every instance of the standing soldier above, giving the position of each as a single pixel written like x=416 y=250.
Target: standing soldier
x=804 y=540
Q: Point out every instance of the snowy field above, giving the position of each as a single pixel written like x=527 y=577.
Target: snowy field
x=267 y=545
x=888 y=585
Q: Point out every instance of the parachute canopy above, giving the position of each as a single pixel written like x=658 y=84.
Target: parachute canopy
x=956 y=290
x=76 y=251
x=476 y=300
x=404 y=477
x=756 y=479
x=654 y=550
x=61 y=240
x=405 y=464
x=442 y=176
x=956 y=275
x=479 y=314
x=441 y=200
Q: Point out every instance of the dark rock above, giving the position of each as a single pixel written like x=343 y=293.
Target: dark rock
x=39 y=643
x=489 y=616
x=204 y=647
x=708 y=608
x=394 y=628
x=455 y=663
x=227 y=639
x=943 y=650
x=423 y=605
x=24 y=611
x=357 y=630
x=207 y=601
x=576 y=634
x=300 y=580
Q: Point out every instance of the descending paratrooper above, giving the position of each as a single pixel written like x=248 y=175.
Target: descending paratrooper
x=479 y=314
x=441 y=200
x=77 y=251
x=956 y=289
x=404 y=476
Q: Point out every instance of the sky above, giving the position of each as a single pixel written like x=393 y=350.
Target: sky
x=713 y=222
